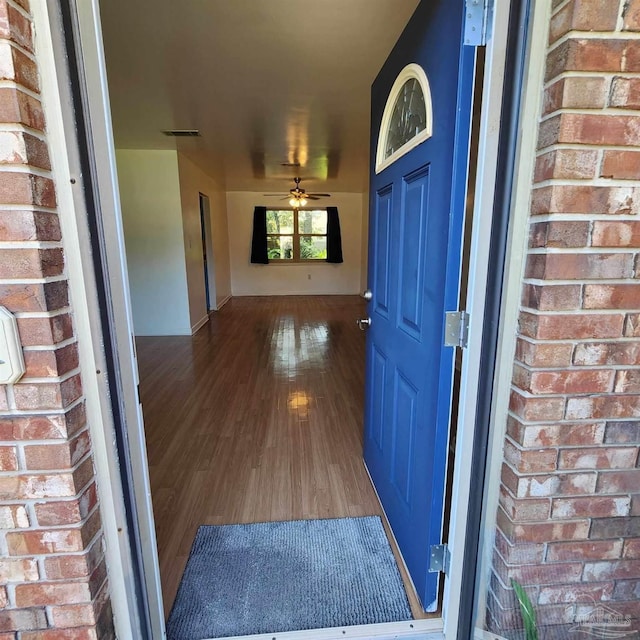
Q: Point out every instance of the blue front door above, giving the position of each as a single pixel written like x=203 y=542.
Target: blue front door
x=416 y=222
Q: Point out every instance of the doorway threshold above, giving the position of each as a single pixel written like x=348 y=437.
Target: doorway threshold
x=429 y=629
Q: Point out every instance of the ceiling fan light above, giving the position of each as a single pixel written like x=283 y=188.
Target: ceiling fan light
x=293 y=202
x=302 y=201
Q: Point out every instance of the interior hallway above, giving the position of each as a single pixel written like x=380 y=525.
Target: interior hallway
x=257 y=417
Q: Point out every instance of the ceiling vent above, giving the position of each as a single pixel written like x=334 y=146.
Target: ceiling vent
x=182 y=133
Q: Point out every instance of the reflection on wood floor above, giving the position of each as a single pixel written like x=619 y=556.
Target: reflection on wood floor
x=257 y=417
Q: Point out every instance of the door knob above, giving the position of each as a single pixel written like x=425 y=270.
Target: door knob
x=363 y=323
x=367 y=295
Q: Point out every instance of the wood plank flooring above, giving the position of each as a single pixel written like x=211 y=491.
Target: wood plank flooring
x=258 y=417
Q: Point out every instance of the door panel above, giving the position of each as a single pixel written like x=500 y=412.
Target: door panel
x=416 y=220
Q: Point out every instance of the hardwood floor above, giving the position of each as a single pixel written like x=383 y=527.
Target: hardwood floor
x=257 y=417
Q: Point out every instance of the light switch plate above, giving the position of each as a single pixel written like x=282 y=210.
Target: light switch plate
x=11 y=360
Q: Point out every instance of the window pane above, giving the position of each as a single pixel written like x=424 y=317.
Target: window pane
x=280 y=247
x=409 y=116
x=312 y=222
x=280 y=222
x=313 y=247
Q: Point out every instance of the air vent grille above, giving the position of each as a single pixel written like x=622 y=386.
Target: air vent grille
x=182 y=133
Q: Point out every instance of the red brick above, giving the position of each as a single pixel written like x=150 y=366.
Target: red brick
x=78 y=615
x=25 y=188
x=599 y=353
x=15 y=27
x=619 y=481
x=18 y=570
x=612 y=570
x=21 y=148
x=544 y=531
x=559 y=234
x=536 y=575
x=545 y=354
x=588 y=128
x=612 y=296
x=49 y=296
x=33 y=595
x=36 y=486
x=21 y=108
x=622 y=432
x=567 y=164
x=598 y=407
x=548 y=485
x=45 y=331
x=78 y=633
x=615 y=234
x=15 y=65
x=22 y=620
x=625 y=93
x=536 y=409
x=593 y=54
x=599 y=550
x=13 y=517
x=575 y=92
x=627 y=381
x=580 y=381
x=584 y=15
x=591 y=507
x=621 y=165
x=599 y=458
x=556 y=435
x=44 y=541
x=38 y=396
x=16 y=226
x=632 y=549
x=571 y=327
x=527 y=509
x=8 y=459
x=631 y=13
x=530 y=461
x=632 y=325
x=518 y=553
x=561 y=297
x=47 y=457
x=585 y=199
x=30 y=263
x=575 y=593
x=67 y=511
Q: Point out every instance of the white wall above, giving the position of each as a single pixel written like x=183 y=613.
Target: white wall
x=151 y=212
x=275 y=279
x=193 y=182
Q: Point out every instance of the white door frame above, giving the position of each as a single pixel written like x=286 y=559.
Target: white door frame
x=57 y=105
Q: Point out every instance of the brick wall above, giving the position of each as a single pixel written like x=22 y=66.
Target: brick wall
x=569 y=515
x=52 y=570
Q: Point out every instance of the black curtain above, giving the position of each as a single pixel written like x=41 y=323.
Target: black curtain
x=259 y=253
x=334 y=239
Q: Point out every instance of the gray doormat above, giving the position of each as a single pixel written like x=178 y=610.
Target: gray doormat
x=285 y=576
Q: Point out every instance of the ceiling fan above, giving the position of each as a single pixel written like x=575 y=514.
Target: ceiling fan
x=297 y=196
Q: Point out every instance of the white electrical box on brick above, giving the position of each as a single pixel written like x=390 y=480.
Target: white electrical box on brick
x=11 y=360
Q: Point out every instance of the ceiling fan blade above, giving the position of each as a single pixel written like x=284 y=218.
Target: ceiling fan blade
x=320 y=195
x=310 y=197
x=272 y=195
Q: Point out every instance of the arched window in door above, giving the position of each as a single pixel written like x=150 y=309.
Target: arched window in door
x=408 y=117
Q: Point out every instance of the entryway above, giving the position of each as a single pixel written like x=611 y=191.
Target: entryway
x=258 y=417
x=138 y=465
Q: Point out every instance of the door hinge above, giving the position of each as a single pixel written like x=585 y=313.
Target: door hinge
x=477 y=21
x=439 y=559
x=456 y=329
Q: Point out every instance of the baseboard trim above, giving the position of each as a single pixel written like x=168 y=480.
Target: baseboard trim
x=222 y=303
x=198 y=325
x=410 y=629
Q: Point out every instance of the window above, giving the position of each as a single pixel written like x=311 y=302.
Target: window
x=296 y=235
x=407 y=119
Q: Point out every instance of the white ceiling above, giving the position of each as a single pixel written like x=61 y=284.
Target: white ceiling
x=265 y=82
